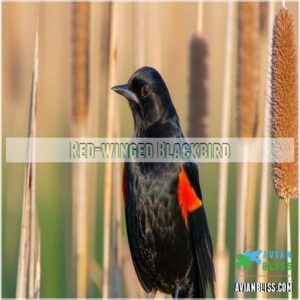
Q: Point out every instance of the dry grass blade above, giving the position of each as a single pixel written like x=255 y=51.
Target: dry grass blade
x=37 y=279
x=33 y=225
x=284 y=106
x=28 y=215
x=24 y=241
x=95 y=273
x=284 y=110
x=80 y=94
x=221 y=258
x=33 y=217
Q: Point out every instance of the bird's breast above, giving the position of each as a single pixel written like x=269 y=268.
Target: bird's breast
x=154 y=221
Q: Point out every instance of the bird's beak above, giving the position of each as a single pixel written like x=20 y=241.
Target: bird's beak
x=124 y=91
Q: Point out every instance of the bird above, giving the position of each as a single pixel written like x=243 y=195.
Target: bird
x=167 y=228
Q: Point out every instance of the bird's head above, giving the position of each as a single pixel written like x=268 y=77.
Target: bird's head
x=148 y=97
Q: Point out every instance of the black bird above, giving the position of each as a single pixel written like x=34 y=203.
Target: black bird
x=166 y=223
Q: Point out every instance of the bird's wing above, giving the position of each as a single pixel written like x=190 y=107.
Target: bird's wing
x=197 y=226
x=142 y=276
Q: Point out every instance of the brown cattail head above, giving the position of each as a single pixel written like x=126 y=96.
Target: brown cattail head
x=248 y=66
x=80 y=59
x=284 y=106
x=198 y=92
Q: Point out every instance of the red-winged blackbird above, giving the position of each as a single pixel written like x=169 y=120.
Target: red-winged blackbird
x=166 y=223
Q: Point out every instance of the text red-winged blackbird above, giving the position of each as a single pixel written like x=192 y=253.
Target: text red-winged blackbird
x=166 y=223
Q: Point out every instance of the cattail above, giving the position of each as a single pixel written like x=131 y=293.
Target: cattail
x=197 y=81
x=284 y=111
x=284 y=106
x=80 y=59
x=80 y=99
x=247 y=105
x=247 y=93
x=198 y=89
x=248 y=47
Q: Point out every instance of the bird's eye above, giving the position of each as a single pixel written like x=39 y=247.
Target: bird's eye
x=145 y=92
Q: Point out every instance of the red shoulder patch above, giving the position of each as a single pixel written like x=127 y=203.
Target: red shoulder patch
x=124 y=184
x=187 y=198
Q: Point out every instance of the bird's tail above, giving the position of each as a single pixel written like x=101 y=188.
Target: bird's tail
x=203 y=252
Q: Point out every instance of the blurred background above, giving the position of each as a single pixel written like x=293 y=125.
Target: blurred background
x=166 y=35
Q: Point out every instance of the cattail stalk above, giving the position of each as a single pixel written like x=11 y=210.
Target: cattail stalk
x=251 y=204
x=27 y=258
x=110 y=132
x=288 y=243
x=116 y=260
x=200 y=21
x=247 y=92
x=221 y=257
x=80 y=94
x=264 y=190
x=284 y=110
x=96 y=22
x=242 y=192
x=99 y=27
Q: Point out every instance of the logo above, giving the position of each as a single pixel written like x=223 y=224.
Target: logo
x=267 y=260
x=263 y=287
